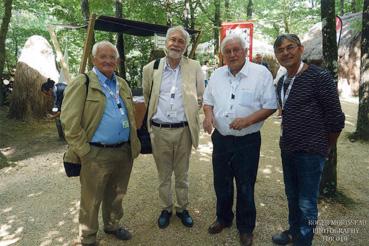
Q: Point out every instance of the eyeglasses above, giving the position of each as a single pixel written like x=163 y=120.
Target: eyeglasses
x=177 y=40
x=289 y=49
x=228 y=52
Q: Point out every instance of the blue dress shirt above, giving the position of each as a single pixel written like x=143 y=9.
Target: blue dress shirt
x=110 y=129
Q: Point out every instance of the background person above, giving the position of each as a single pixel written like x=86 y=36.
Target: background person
x=259 y=60
x=56 y=91
x=205 y=70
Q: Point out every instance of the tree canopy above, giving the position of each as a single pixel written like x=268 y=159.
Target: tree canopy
x=271 y=17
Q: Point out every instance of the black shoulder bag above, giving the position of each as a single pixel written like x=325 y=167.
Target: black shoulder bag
x=143 y=133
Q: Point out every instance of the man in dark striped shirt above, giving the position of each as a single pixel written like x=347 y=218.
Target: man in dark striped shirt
x=312 y=120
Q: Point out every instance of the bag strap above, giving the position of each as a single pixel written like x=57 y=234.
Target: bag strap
x=156 y=66
x=87 y=83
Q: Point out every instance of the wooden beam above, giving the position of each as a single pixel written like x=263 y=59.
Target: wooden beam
x=59 y=53
x=87 y=45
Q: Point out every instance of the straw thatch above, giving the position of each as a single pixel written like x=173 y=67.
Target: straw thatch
x=35 y=65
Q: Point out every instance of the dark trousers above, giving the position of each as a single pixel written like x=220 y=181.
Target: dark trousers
x=236 y=158
x=302 y=173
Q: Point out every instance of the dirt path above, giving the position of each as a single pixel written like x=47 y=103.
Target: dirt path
x=39 y=204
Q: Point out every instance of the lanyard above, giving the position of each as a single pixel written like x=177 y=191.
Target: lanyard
x=174 y=88
x=115 y=96
x=283 y=96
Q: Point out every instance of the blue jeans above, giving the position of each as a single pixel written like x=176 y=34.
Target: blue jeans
x=302 y=173
x=236 y=158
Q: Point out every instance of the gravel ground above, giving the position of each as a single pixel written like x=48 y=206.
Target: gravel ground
x=39 y=204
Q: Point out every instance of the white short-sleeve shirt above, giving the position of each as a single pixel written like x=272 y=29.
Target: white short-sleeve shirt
x=239 y=96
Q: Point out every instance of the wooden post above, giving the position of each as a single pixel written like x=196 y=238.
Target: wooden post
x=59 y=53
x=194 y=45
x=87 y=46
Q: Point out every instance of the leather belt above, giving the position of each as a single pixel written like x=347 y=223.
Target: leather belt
x=101 y=145
x=170 y=125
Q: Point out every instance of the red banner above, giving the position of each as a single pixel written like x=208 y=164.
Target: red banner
x=243 y=28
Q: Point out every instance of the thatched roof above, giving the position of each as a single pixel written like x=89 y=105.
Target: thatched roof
x=312 y=40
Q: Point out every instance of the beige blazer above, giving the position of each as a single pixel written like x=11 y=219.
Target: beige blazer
x=192 y=88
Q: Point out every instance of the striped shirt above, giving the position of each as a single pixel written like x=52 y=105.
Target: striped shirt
x=311 y=112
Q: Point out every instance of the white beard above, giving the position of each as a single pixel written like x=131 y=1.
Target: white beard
x=173 y=54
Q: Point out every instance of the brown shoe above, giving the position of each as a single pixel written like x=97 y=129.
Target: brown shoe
x=246 y=239
x=217 y=227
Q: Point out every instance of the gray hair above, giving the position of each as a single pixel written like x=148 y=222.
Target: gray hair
x=231 y=37
x=185 y=34
x=290 y=37
x=104 y=44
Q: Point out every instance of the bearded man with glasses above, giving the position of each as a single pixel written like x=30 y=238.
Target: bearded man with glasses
x=312 y=120
x=173 y=90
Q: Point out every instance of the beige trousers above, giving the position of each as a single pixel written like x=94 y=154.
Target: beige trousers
x=171 y=150
x=104 y=179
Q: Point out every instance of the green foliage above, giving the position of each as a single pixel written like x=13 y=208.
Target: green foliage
x=31 y=17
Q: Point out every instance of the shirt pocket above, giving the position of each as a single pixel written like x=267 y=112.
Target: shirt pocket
x=247 y=98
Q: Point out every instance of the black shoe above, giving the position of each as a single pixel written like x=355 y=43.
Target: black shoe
x=282 y=238
x=120 y=233
x=164 y=219
x=185 y=218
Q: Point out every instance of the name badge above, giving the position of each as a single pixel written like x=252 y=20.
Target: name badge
x=172 y=113
x=125 y=124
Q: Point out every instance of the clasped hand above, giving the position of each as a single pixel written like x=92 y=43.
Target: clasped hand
x=239 y=124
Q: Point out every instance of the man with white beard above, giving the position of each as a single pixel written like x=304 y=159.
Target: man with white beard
x=173 y=88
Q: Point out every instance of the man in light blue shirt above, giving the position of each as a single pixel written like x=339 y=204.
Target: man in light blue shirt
x=100 y=129
x=110 y=129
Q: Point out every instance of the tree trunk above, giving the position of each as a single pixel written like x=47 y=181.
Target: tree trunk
x=362 y=129
x=249 y=10
x=186 y=14
x=342 y=7
x=86 y=15
x=328 y=185
x=3 y=31
x=120 y=40
x=217 y=23
x=227 y=15
x=168 y=10
x=286 y=23
x=85 y=10
x=353 y=6
x=192 y=20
